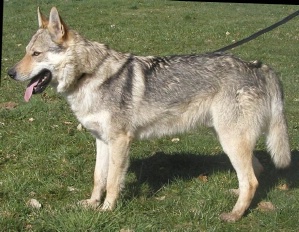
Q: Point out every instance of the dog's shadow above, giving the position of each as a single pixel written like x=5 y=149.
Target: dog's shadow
x=162 y=169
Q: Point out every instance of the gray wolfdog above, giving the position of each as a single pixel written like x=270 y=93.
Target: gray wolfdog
x=119 y=97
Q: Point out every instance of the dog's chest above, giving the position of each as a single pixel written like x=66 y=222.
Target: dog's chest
x=93 y=118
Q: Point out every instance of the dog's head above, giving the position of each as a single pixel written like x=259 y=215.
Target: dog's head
x=44 y=56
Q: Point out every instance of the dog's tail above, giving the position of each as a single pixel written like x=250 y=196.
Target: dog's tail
x=277 y=137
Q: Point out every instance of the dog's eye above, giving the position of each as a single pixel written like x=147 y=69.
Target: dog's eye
x=35 y=53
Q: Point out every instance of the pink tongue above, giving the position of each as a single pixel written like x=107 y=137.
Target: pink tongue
x=29 y=90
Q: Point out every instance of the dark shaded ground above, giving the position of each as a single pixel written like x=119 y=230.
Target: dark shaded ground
x=161 y=169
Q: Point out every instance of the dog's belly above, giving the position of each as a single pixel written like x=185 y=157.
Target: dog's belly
x=170 y=124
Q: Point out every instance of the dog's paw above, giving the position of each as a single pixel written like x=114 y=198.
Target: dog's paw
x=230 y=217
x=107 y=206
x=89 y=203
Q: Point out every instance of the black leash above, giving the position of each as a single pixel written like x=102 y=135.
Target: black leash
x=253 y=36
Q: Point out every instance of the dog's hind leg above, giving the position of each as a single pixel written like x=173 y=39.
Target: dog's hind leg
x=100 y=175
x=258 y=169
x=238 y=145
x=118 y=164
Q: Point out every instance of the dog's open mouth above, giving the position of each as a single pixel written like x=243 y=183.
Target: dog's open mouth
x=38 y=84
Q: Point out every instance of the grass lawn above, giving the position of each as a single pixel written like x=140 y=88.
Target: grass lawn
x=172 y=185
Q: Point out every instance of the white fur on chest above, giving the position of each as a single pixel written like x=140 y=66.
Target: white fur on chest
x=91 y=116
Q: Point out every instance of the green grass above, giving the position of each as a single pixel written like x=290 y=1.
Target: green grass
x=42 y=158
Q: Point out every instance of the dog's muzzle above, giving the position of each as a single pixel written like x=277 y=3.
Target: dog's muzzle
x=37 y=84
x=12 y=73
x=40 y=82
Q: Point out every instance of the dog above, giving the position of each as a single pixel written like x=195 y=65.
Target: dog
x=119 y=97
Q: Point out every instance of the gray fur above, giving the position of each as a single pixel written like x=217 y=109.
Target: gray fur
x=119 y=97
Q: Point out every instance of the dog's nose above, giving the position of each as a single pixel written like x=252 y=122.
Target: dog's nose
x=12 y=73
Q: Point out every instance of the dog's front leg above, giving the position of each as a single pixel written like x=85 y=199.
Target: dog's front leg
x=118 y=164
x=100 y=175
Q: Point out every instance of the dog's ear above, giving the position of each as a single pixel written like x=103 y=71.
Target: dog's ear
x=57 y=27
x=42 y=20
